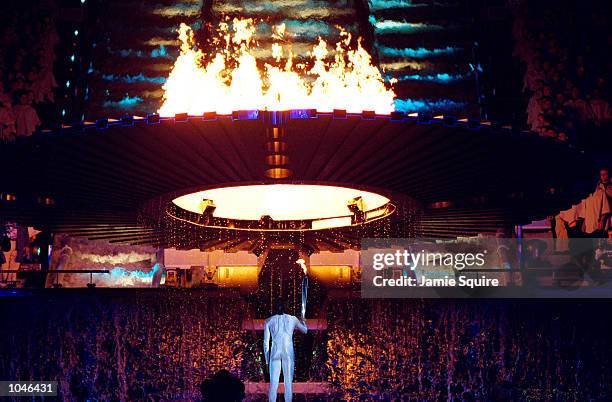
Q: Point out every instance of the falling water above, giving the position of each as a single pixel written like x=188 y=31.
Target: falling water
x=155 y=344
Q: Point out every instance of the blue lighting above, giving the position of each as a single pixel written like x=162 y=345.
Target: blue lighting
x=76 y=32
x=72 y=58
x=303 y=114
x=440 y=78
x=386 y=4
x=421 y=105
x=391 y=26
x=125 y=103
x=417 y=53
x=246 y=115
x=119 y=276
x=159 y=52
x=130 y=79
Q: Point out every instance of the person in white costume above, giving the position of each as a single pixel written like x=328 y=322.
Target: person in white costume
x=280 y=328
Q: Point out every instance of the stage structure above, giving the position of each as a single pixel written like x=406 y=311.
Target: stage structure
x=202 y=181
x=245 y=170
x=284 y=186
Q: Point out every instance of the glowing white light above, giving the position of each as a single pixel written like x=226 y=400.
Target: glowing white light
x=281 y=201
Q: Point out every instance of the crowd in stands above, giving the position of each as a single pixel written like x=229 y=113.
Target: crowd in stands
x=567 y=68
x=28 y=37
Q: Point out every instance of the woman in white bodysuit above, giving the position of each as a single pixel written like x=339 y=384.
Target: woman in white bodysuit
x=280 y=328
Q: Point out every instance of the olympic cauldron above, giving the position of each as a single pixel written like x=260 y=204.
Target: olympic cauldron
x=326 y=179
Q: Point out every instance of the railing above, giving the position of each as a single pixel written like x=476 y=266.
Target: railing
x=56 y=284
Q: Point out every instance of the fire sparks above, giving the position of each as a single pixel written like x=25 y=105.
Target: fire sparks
x=230 y=79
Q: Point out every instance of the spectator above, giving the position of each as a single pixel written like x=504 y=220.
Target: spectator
x=5 y=97
x=27 y=48
x=26 y=118
x=222 y=387
x=598 y=108
x=561 y=72
x=7 y=121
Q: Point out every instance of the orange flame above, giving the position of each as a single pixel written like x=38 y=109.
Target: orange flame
x=232 y=81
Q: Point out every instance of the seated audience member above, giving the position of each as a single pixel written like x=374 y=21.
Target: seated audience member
x=577 y=105
x=571 y=92
x=44 y=86
x=26 y=118
x=540 y=124
x=5 y=97
x=562 y=136
x=599 y=108
x=549 y=132
x=7 y=122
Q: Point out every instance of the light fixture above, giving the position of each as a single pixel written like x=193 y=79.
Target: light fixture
x=207 y=208
x=280 y=207
x=356 y=206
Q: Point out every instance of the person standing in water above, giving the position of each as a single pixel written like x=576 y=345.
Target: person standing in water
x=280 y=328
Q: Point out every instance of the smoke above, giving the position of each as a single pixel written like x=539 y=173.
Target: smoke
x=115 y=259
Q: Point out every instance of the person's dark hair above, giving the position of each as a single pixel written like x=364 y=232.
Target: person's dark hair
x=279 y=307
x=222 y=387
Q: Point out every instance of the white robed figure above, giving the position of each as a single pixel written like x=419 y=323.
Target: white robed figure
x=279 y=328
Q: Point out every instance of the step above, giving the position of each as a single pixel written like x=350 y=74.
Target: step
x=258 y=324
x=298 y=388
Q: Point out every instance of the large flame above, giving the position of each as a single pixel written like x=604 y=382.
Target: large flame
x=230 y=80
